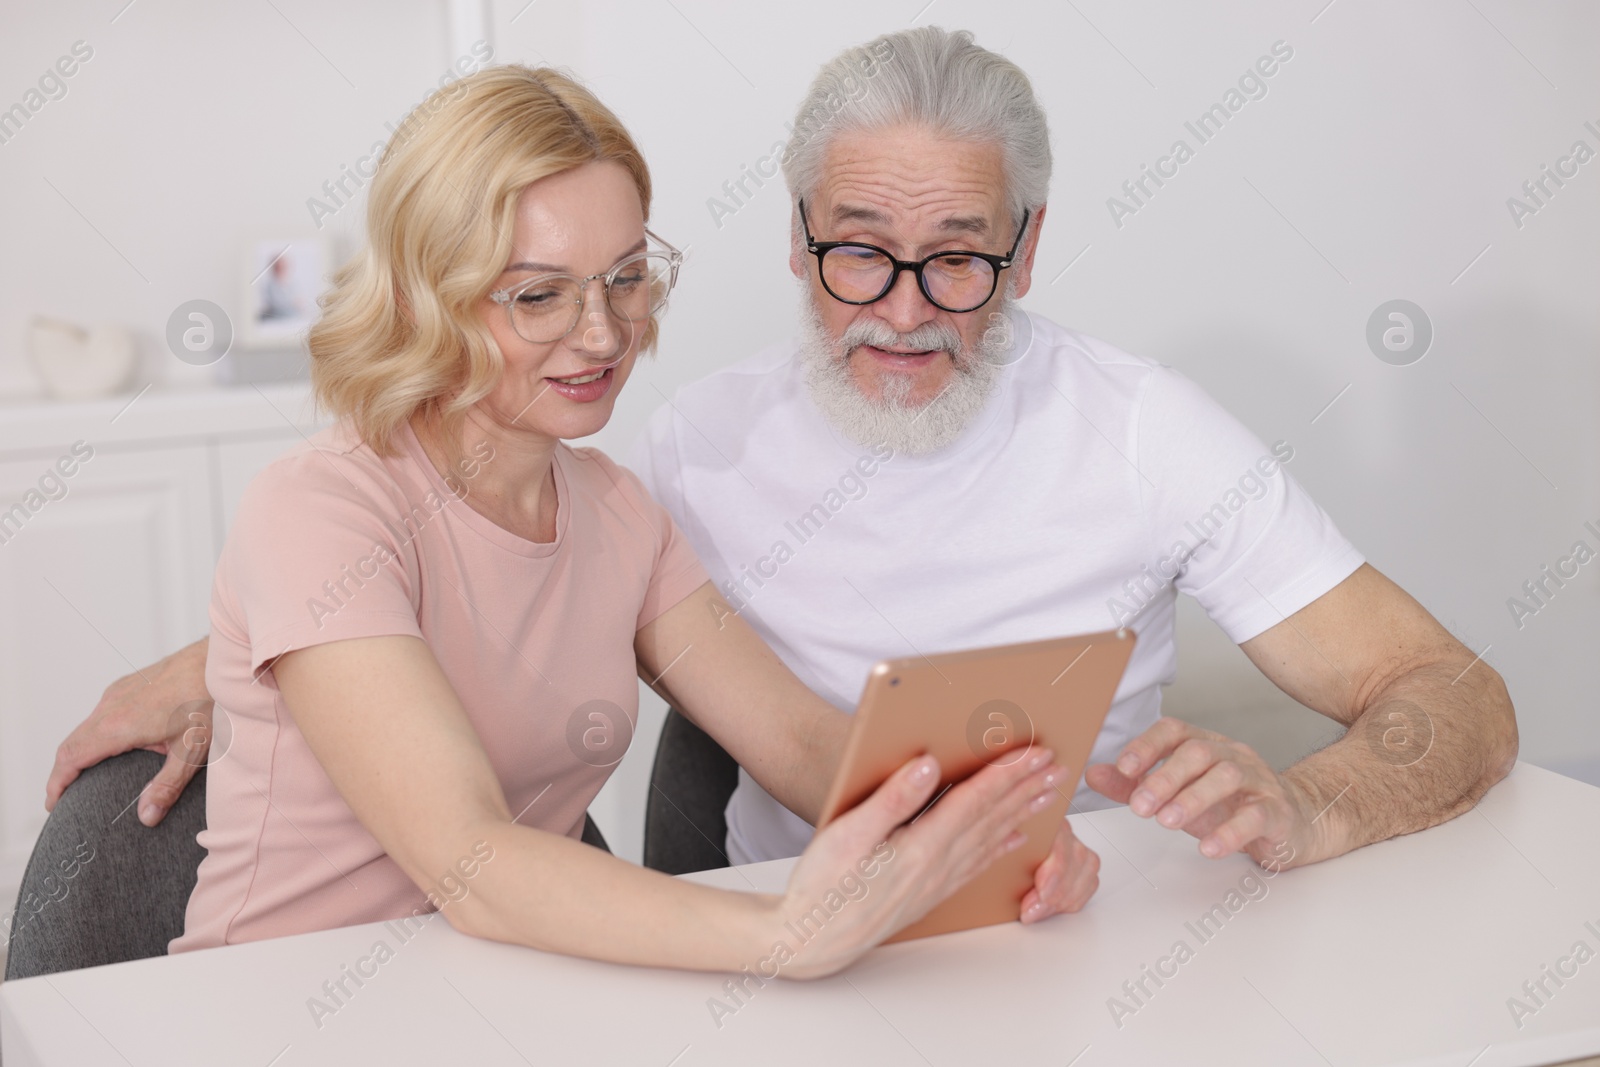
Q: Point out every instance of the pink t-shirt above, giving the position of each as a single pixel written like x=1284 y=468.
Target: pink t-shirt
x=333 y=542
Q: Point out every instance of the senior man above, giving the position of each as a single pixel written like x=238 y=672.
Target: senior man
x=929 y=468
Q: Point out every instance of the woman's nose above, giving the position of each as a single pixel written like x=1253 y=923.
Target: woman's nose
x=600 y=338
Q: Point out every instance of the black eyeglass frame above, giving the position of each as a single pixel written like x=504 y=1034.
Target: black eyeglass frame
x=916 y=267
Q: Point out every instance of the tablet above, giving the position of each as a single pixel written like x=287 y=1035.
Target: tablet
x=971 y=708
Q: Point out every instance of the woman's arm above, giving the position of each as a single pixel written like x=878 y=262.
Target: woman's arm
x=386 y=726
x=709 y=664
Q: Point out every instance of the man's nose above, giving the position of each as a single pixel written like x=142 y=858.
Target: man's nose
x=904 y=307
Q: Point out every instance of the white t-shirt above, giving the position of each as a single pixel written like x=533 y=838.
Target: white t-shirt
x=1088 y=481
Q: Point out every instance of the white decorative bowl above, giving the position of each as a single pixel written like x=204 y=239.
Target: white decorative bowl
x=79 y=364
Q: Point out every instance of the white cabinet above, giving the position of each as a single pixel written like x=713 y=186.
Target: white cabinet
x=107 y=568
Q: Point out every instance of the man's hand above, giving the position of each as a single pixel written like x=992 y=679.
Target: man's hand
x=1065 y=880
x=1212 y=788
x=164 y=708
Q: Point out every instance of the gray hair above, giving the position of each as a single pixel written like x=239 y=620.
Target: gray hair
x=930 y=77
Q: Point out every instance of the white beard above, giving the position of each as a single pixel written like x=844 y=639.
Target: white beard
x=908 y=428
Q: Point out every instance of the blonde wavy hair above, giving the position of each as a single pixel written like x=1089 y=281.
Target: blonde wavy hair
x=400 y=333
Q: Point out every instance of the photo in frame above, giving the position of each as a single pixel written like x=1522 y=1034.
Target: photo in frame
x=284 y=276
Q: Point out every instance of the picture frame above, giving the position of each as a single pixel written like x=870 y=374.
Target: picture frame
x=283 y=277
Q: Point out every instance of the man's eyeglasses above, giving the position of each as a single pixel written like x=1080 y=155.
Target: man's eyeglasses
x=954 y=281
x=546 y=308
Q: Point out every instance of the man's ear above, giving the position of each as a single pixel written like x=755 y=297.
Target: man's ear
x=1023 y=267
x=797 y=246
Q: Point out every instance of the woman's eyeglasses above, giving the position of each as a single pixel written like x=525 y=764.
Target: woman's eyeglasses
x=546 y=308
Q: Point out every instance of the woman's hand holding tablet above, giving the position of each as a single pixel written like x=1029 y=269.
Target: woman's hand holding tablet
x=862 y=879
x=990 y=706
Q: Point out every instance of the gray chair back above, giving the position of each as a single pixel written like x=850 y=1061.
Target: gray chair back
x=685 y=829
x=99 y=886
x=102 y=888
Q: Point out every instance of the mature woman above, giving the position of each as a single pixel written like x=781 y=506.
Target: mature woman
x=426 y=623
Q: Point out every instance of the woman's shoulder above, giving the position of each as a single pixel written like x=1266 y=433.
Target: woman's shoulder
x=330 y=458
x=616 y=491
x=331 y=473
x=591 y=464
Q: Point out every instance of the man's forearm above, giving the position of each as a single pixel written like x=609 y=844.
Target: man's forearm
x=156 y=706
x=196 y=654
x=1424 y=751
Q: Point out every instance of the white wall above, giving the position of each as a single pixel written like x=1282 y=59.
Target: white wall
x=1387 y=148
x=1378 y=166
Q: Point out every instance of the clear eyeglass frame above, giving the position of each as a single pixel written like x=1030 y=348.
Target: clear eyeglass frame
x=506 y=297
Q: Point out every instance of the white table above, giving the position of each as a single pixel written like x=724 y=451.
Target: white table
x=1402 y=953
